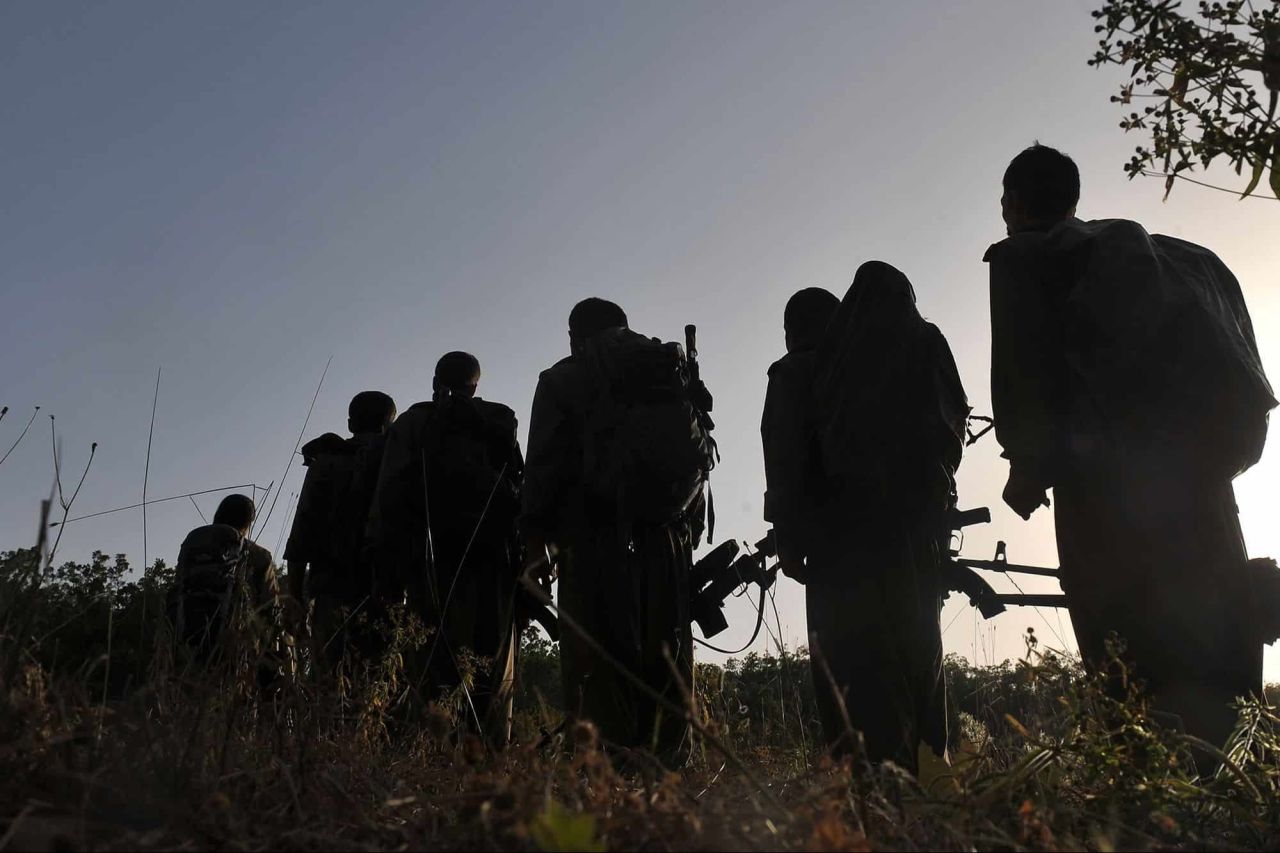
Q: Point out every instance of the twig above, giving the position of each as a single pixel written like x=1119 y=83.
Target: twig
x=21 y=435
x=156 y=501
x=197 y=506
x=1146 y=173
x=146 y=469
x=57 y=466
x=838 y=694
x=284 y=523
x=297 y=444
x=541 y=596
x=66 y=505
x=106 y=673
x=16 y=822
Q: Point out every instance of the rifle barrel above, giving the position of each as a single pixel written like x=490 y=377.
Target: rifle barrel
x=1031 y=599
x=1002 y=566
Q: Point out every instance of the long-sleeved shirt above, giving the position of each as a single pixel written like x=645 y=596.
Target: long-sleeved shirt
x=551 y=498
x=1027 y=364
x=788 y=439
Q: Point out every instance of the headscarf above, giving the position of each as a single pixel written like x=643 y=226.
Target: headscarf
x=887 y=384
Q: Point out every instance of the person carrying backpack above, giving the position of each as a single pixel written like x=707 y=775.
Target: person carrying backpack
x=619 y=454
x=1125 y=376
x=223 y=578
x=330 y=573
x=863 y=430
x=443 y=524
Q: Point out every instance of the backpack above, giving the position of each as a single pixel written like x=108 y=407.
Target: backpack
x=346 y=475
x=469 y=477
x=904 y=453
x=1159 y=337
x=209 y=562
x=647 y=447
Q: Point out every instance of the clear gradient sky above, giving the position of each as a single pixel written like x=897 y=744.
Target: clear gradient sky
x=238 y=191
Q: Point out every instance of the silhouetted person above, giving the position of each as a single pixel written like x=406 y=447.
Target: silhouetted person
x=450 y=540
x=613 y=486
x=330 y=566
x=863 y=430
x=1125 y=377
x=222 y=575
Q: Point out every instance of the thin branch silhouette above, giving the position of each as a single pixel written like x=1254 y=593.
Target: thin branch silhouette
x=261 y=526
x=66 y=505
x=156 y=501
x=21 y=435
x=146 y=469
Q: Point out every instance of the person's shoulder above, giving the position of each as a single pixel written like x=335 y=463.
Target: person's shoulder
x=417 y=411
x=412 y=418
x=935 y=337
x=321 y=446
x=498 y=415
x=565 y=371
x=258 y=556
x=567 y=364
x=209 y=533
x=794 y=365
x=495 y=411
x=1017 y=248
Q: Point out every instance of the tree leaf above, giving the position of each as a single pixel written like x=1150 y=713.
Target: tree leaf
x=1275 y=170
x=1258 y=169
x=557 y=828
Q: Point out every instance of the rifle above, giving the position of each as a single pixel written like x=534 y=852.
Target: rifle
x=722 y=571
x=697 y=389
x=959 y=574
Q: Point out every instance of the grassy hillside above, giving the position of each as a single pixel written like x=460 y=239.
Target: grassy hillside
x=108 y=740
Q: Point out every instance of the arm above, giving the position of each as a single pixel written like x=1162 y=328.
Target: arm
x=787 y=443
x=396 y=504
x=548 y=466
x=1025 y=376
x=305 y=536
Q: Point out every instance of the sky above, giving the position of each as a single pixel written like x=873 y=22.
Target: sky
x=235 y=193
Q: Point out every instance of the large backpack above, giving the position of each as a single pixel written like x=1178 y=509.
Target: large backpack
x=647 y=447
x=1159 y=339
x=210 y=562
x=468 y=444
x=353 y=477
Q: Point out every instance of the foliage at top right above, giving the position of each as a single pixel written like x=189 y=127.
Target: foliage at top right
x=1209 y=82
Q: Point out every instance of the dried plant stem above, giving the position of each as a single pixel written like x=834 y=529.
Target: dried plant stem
x=146 y=468
x=157 y=501
x=21 y=435
x=541 y=596
x=65 y=503
x=307 y=420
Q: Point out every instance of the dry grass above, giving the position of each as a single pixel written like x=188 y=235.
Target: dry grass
x=176 y=757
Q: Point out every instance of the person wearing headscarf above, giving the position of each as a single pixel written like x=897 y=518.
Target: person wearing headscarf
x=879 y=447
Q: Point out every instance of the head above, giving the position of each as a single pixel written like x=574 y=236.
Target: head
x=806 y=317
x=457 y=375
x=1041 y=188
x=236 y=511
x=883 y=295
x=592 y=316
x=370 y=411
